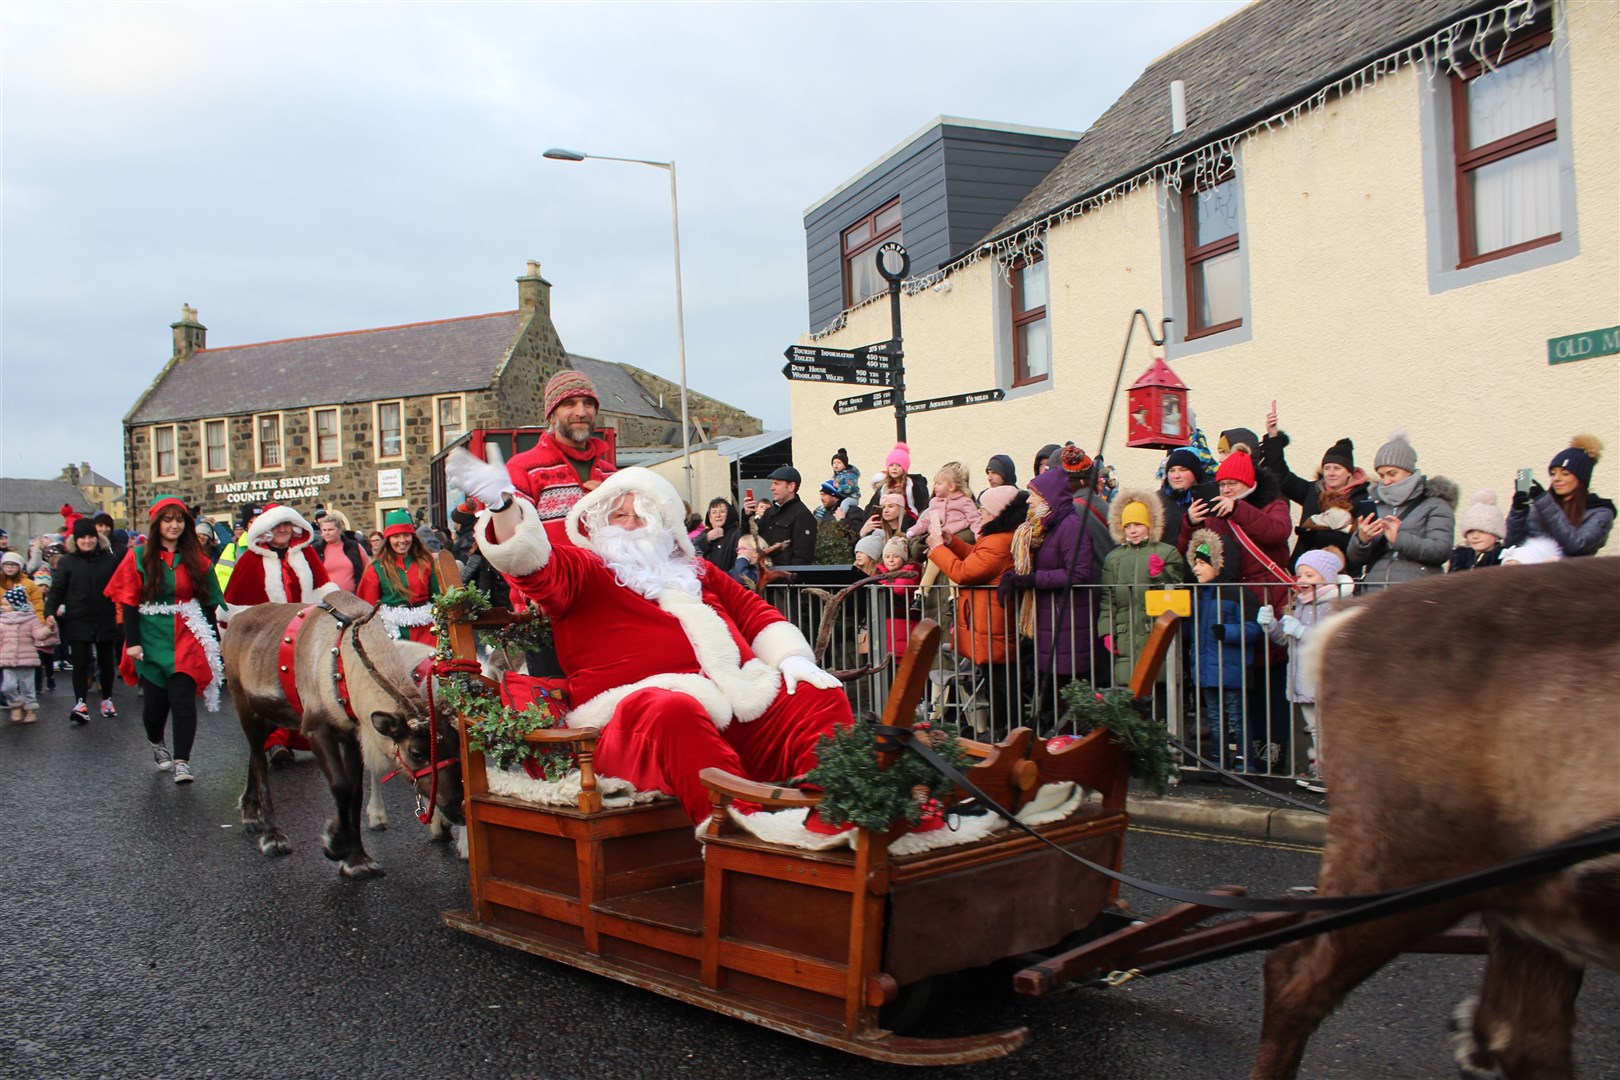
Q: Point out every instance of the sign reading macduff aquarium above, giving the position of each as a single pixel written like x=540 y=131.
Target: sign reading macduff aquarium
x=1561 y=350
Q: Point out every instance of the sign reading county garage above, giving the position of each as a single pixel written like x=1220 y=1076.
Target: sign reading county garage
x=1562 y=350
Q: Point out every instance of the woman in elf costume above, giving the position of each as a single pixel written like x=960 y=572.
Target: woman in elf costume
x=403 y=580
x=168 y=594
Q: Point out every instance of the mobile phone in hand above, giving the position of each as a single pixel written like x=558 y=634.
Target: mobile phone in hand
x=1523 y=479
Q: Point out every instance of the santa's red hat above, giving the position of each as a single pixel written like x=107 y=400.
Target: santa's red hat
x=656 y=500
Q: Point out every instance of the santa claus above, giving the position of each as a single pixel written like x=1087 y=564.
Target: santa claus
x=678 y=666
x=275 y=565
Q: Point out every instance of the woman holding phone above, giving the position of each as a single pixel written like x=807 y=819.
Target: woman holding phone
x=1570 y=514
x=1410 y=524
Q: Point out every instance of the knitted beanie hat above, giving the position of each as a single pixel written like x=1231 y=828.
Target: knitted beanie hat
x=1343 y=453
x=1323 y=561
x=1397 y=452
x=1238 y=436
x=870 y=545
x=1239 y=467
x=842 y=455
x=12 y=557
x=897 y=545
x=1002 y=466
x=566 y=384
x=996 y=499
x=84 y=527
x=900 y=455
x=1484 y=515
x=1583 y=453
x=1183 y=458
x=1136 y=512
x=829 y=488
x=1074 y=459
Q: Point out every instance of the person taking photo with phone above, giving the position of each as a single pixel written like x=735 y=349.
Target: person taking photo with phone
x=1570 y=514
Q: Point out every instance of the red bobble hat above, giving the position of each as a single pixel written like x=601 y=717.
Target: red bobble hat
x=1237 y=467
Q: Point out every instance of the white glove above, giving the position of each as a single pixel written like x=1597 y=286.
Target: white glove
x=489 y=484
x=1266 y=617
x=1293 y=627
x=796 y=670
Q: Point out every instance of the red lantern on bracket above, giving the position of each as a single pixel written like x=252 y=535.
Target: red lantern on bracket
x=1159 y=416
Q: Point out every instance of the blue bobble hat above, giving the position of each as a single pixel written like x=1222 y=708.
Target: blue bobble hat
x=1583 y=453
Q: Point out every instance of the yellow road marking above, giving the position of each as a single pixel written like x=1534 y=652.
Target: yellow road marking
x=1275 y=845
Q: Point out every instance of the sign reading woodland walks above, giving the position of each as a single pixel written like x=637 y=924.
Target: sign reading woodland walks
x=274 y=490
x=881 y=364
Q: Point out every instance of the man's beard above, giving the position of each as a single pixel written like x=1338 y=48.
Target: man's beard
x=576 y=434
x=647 y=560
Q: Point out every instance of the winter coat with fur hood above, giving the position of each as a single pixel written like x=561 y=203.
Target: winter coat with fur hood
x=1423 y=546
x=980 y=632
x=1129 y=570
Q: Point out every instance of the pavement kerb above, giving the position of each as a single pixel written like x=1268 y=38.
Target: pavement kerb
x=1292 y=826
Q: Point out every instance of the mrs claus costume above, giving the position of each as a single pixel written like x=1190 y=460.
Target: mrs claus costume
x=268 y=575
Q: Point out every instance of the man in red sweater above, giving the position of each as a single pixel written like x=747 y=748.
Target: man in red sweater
x=569 y=460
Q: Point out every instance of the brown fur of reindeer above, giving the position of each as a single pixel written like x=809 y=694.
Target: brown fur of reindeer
x=1488 y=730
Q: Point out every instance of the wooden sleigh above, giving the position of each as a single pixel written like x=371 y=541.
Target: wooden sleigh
x=815 y=944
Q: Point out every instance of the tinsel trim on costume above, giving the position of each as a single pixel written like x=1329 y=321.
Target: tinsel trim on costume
x=1466 y=41
x=395 y=617
x=192 y=613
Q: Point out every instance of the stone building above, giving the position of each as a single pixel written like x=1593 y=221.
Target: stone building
x=103 y=493
x=351 y=420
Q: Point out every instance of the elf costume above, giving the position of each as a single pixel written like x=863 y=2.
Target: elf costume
x=175 y=636
x=402 y=586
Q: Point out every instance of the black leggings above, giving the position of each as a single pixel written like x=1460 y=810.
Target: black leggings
x=180 y=697
x=106 y=664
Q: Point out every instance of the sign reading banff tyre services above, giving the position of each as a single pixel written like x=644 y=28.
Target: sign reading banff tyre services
x=275 y=490
x=1562 y=350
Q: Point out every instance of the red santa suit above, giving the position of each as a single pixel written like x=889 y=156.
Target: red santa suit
x=266 y=575
x=676 y=684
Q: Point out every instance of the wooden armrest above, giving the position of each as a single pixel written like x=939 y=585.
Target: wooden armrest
x=563 y=735
x=723 y=785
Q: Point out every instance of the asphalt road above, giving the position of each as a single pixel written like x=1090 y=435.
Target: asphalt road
x=142 y=935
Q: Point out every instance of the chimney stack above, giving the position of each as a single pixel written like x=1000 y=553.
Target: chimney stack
x=534 y=291
x=190 y=336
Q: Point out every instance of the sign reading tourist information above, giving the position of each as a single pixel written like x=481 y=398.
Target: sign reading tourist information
x=878 y=399
x=866 y=366
x=930 y=404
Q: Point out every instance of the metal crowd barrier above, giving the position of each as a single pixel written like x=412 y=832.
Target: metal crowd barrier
x=1264 y=732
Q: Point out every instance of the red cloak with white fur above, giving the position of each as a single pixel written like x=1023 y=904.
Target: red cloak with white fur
x=263 y=575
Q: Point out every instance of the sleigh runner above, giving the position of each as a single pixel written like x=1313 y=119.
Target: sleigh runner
x=826 y=945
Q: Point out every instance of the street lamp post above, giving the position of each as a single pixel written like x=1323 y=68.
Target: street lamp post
x=556 y=154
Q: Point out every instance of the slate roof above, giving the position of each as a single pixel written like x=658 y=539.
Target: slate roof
x=40 y=496
x=1244 y=68
x=91 y=478
x=618 y=393
x=360 y=365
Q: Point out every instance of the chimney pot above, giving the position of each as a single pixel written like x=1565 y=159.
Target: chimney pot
x=1178 y=106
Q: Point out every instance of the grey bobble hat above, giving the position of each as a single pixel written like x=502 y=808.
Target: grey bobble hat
x=1397 y=452
x=871 y=545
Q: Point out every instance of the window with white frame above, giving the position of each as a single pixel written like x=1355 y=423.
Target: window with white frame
x=1031 y=334
x=267 y=440
x=390 y=430
x=447 y=420
x=216 y=453
x=324 y=434
x=165 y=459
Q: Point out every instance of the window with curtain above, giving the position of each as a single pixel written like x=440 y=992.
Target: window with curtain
x=1210 y=242
x=447 y=412
x=1031 y=335
x=216 y=455
x=165 y=463
x=1505 y=127
x=269 y=439
x=326 y=436
x=390 y=429
x=860 y=243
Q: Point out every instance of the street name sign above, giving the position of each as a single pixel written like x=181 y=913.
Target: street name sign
x=878 y=399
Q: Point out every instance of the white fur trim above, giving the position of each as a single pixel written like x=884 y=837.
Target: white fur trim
x=329 y=587
x=596 y=712
x=778 y=641
x=646 y=486
x=525 y=552
x=749 y=688
x=191 y=614
x=1052 y=803
x=233 y=610
x=257 y=536
x=517 y=784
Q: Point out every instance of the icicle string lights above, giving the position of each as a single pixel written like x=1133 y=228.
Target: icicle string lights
x=1478 y=39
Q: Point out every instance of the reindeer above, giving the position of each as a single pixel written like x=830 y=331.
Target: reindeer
x=1466 y=721
x=374 y=711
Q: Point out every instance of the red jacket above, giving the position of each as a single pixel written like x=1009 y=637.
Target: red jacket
x=547 y=477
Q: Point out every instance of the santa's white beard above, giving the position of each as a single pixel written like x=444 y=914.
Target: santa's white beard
x=647 y=560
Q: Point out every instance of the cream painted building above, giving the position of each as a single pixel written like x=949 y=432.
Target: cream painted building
x=1342 y=258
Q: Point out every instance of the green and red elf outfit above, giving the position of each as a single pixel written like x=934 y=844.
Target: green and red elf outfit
x=173 y=631
x=403 y=586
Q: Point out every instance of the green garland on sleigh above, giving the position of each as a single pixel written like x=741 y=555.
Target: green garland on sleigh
x=855 y=790
x=1146 y=738
x=494 y=728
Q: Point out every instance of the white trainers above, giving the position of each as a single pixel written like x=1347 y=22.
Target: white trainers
x=182 y=772
x=161 y=755
x=107 y=707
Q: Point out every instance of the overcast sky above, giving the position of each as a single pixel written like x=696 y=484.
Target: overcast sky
x=295 y=169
